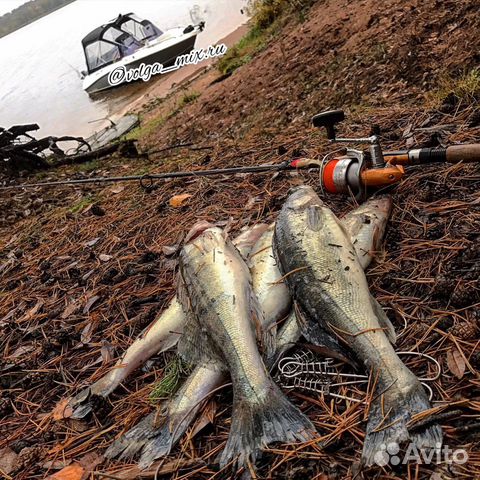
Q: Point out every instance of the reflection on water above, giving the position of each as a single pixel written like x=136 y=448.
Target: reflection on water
x=40 y=64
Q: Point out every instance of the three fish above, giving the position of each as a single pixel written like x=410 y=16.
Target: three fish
x=156 y=434
x=228 y=311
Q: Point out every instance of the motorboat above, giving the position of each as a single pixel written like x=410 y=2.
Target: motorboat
x=129 y=42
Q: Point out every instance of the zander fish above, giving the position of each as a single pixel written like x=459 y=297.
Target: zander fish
x=328 y=283
x=366 y=226
x=160 y=336
x=216 y=288
x=268 y=285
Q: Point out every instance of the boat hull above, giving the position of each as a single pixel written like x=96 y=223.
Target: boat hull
x=165 y=56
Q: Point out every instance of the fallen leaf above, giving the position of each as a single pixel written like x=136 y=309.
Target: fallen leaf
x=22 y=350
x=32 y=312
x=71 y=308
x=12 y=241
x=251 y=203
x=456 y=363
x=179 y=200
x=56 y=464
x=118 y=189
x=105 y=258
x=72 y=472
x=87 y=332
x=90 y=461
x=106 y=353
x=169 y=250
x=8 y=460
x=93 y=242
x=62 y=410
x=88 y=275
x=90 y=303
x=207 y=417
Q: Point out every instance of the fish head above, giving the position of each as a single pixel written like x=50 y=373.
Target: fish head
x=249 y=237
x=198 y=230
x=302 y=197
x=381 y=205
x=202 y=238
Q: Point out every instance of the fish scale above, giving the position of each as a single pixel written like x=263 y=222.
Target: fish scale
x=341 y=298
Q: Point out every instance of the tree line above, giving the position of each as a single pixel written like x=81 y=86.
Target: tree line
x=28 y=13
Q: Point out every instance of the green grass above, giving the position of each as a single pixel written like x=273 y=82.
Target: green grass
x=189 y=97
x=465 y=88
x=242 y=52
x=80 y=205
x=89 y=166
x=146 y=128
x=267 y=17
x=167 y=386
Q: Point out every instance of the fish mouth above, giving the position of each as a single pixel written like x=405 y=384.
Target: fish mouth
x=197 y=230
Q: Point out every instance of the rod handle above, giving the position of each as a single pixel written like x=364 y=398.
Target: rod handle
x=463 y=153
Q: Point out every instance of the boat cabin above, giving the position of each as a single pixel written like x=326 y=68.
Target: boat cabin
x=117 y=39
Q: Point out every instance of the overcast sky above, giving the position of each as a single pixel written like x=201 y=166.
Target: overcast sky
x=9 y=5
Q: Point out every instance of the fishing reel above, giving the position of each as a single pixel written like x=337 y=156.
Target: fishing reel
x=349 y=170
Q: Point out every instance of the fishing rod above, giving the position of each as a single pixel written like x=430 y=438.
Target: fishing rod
x=345 y=170
x=147 y=180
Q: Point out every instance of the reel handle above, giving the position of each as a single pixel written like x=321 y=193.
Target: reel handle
x=328 y=120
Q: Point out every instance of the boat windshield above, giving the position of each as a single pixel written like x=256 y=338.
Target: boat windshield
x=142 y=30
x=101 y=53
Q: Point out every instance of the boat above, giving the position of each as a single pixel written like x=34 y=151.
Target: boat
x=129 y=42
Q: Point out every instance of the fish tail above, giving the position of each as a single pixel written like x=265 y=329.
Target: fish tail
x=167 y=436
x=259 y=423
x=388 y=427
x=159 y=446
x=129 y=444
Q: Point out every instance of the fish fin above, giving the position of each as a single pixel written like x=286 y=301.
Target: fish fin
x=167 y=436
x=258 y=423
x=195 y=347
x=314 y=218
x=382 y=431
x=320 y=337
x=383 y=320
x=81 y=411
x=83 y=403
x=266 y=334
x=288 y=335
x=159 y=446
x=129 y=444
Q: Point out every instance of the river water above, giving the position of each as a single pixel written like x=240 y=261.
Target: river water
x=40 y=63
